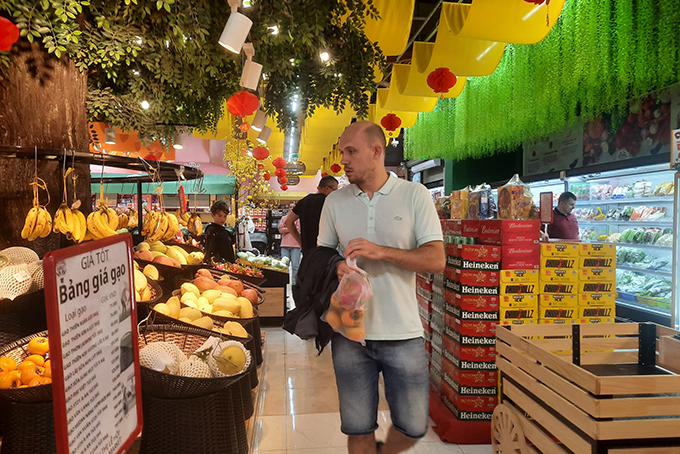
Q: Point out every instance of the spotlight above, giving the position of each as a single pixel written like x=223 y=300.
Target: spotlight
x=145 y=105
x=263 y=137
x=325 y=56
x=236 y=30
x=178 y=140
x=274 y=29
x=259 y=120
x=250 y=76
x=110 y=136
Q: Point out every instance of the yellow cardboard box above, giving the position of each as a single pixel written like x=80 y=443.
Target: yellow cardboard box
x=518 y=315
x=597 y=299
x=595 y=320
x=597 y=274
x=547 y=312
x=597 y=249
x=559 y=263
x=557 y=300
x=518 y=288
x=590 y=312
x=559 y=250
x=597 y=262
x=559 y=275
x=557 y=321
x=518 y=300
x=559 y=287
x=519 y=276
x=596 y=287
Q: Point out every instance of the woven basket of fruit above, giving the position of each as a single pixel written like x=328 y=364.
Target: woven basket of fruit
x=206 y=401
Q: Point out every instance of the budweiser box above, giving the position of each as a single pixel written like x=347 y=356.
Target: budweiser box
x=518 y=288
x=474 y=257
x=557 y=300
x=473 y=277
x=509 y=232
x=518 y=300
x=482 y=303
x=464 y=289
x=567 y=276
x=559 y=263
x=465 y=314
x=448 y=396
x=597 y=274
x=476 y=378
x=520 y=276
x=521 y=257
x=559 y=287
x=569 y=250
x=558 y=321
x=518 y=315
x=597 y=262
x=589 y=312
x=596 y=287
x=597 y=299
x=468 y=353
x=597 y=250
x=546 y=312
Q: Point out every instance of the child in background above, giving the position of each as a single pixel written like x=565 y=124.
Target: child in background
x=219 y=243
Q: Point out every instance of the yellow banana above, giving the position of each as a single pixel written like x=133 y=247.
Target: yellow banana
x=39 y=226
x=123 y=221
x=59 y=220
x=89 y=236
x=76 y=233
x=150 y=223
x=133 y=219
x=68 y=218
x=111 y=217
x=92 y=226
x=48 y=224
x=81 y=222
x=101 y=221
x=29 y=224
x=196 y=225
x=173 y=227
x=160 y=229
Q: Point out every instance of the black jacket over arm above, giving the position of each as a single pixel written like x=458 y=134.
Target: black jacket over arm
x=317 y=279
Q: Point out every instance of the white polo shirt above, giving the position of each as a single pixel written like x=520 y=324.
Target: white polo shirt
x=400 y=215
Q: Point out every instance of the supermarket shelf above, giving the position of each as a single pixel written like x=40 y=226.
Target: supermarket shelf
x=637 y=312
x=637 y=200
x=644 y=271
x=659 y=223
x=644 y=246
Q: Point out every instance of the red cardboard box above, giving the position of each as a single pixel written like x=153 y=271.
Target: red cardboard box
x=473 y=277
x=464 y=364
x=474 y=257
x=464 y=289
x=477 y=378
x=424 y=284
x=521 y=257
x=469 y=352
x=469 y=403
x=465 y=314
x=448 y=226
x=481 y=303
x=509 y=232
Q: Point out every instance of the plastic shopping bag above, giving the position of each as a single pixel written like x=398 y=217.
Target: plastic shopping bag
x=346 y=311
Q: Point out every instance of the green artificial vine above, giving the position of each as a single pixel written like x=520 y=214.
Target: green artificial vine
x=599 y=55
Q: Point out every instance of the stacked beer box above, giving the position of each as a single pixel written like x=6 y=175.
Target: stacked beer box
x=469 y=385
x=578 y=283
x=424 y=298
x=437 y=328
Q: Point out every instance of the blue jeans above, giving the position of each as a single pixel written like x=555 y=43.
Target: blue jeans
x=404 y=367
x=293 y=253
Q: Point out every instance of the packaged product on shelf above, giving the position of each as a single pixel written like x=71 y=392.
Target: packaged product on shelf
x=518 y=316
x=597 y=312
x=478 y=202
x=470 y=332
x=443 y=207
x=514 y=288
x=559 y=250
x=514 y=200
x=482 y=303
x=468 y=353
x=519 y=300
x=473 y=277
x=474 y=408
x=597 y=274
x=642 y=189
x=478 y=378
x=596 y=299
x=559 y=263
x=468 y=228
x=459 y=203
x=466 y=314
x=465 y=289
x=664 y=189
x=580 y=190
x=520 y=276
x=559 y=275
x=559 y=287
x=509 y=231
x=474 y=257
x=557 y=300
x=568 y=314
x=520 y=257
x=596 y=287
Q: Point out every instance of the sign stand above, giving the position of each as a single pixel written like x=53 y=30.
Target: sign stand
x=546 y=211
x=92 y=324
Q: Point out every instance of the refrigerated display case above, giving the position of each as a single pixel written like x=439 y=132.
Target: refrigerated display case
x=633 y=208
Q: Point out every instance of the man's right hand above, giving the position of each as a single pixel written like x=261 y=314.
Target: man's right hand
x=343 y=269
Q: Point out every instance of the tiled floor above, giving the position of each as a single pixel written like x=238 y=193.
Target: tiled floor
x=298 y=406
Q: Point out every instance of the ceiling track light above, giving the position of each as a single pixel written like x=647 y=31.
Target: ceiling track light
x=110 y=135
x=237 y=28
x=178 y=140
x=259 y=121
x=250 y=76
x=324 y=56
x=263 y=137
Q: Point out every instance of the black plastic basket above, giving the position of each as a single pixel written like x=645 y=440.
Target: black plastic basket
x=22 y=316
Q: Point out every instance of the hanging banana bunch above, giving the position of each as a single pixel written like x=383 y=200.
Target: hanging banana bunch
x=123 y=219
x=102 y=222
x=69 y=220
x=80 y=223
x=161 y=226
x=38 y=223
x=133 y=219
x=194 y=223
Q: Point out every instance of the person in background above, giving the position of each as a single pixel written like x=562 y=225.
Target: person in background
x=308 y=211
x=564 y=225
x=289 y=246
x=219 y=243
x=392 y=228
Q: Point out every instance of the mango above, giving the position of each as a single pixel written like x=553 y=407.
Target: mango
x=236 y=329
x=174 y=306
x=204 y=322
x=189 y=287
x=227 y=304
x=190 y=312
x=211 y=295
x=246 y=307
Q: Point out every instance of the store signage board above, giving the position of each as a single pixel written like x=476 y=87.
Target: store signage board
x=546 y=207
x=675 y=149
x=91 y=318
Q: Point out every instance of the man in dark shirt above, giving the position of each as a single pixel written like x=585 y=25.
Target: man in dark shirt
x=564 y=225
x=308 y=210
x=219 y=243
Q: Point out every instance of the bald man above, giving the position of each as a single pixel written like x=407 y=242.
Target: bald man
x=391 y=227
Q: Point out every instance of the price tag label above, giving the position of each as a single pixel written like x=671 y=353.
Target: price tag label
x=91 y=319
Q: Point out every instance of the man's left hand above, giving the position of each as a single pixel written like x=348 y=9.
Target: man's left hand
x=364 y=248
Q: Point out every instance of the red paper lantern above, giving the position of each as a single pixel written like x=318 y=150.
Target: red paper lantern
x=280 y=172
x=279 y=162
x=260 y=166
x=390 y=122
x=324 y=174
x=335 y=168
x=260 y=153
x=284 y=187
x=9 y=33
x=151 y=157
x=266 y=175
x=245 y=126
x=242 y=104
x=441 y=80
x=283 y=180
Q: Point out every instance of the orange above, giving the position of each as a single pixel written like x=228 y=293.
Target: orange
x=48 y=369
x=335 y=302
x=37 y=360
x=352 y=318
x=333 y=319
x=24 y=364
x=39 y=346
x=356 y=334
x=7 y=364
x=37 y=381
x=30 y=373
x=10 y=380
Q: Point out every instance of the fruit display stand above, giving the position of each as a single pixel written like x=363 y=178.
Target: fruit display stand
x=22 y=316
x=588 y=389
x=207 y=415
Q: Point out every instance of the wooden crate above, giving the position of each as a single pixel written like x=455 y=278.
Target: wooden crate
x=588 y=389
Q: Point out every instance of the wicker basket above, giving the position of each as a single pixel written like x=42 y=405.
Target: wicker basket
x=22 y=316
x=24 y=409
x=143 y=307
